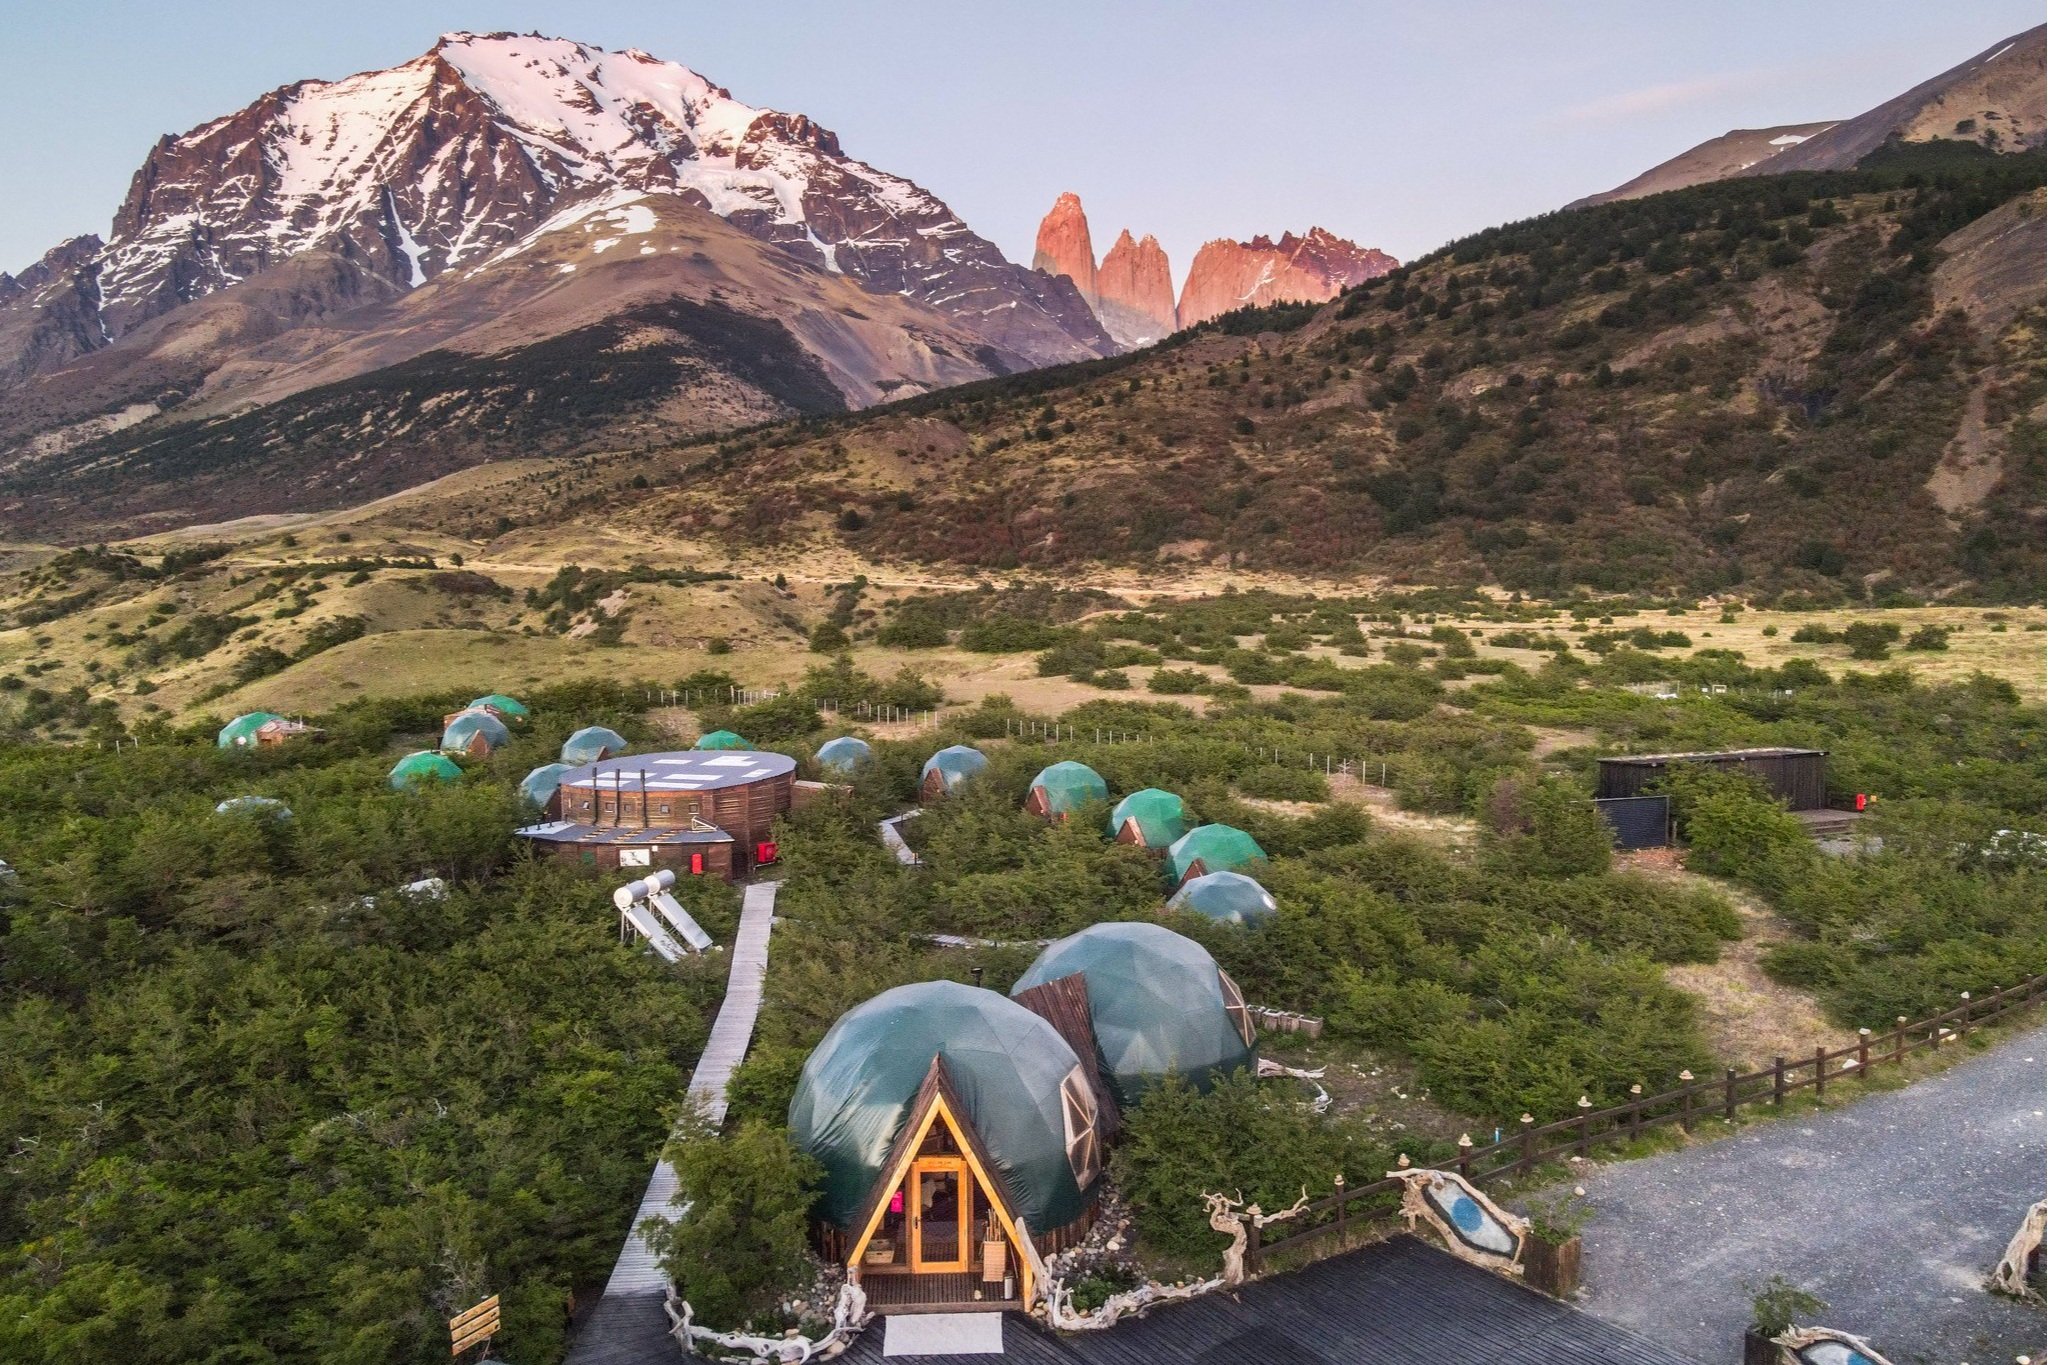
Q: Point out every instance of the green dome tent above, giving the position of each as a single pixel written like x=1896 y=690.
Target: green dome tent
x=268 y=807
x=1150 y=819
x=508 y=709
x=721 y=739
x=592 y=743
x=1229 y=897
x=1212 y=848
x=474 y=732
x=423 y=767
x=240 y=733
x=947 y=769
x=844 y=755
x=1063 y=788
x=1158 y=1001
x=540 y=785
x=1010 y=1068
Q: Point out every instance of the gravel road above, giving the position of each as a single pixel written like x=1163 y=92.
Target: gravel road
x=1893 y=1209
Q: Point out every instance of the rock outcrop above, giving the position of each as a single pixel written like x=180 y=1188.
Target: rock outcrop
x=1228 y=275
x=1064 y=247
x=1134 y=291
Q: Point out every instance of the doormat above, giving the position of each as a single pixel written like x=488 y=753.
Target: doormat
x=943 y=1334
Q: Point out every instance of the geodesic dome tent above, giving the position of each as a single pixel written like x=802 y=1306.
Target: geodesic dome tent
x=476 y=732
x=1159 y=1004
x=945 y=770
x=540 y=785
x=1212 y=848
x=592 y=743
x=423 y=766
x=1022 y=1090
x=844 y=755
x=508 y=709
x=268 y=807
x=240 y=733
x=1229 y=897
x=1063 y=788
x=721 y=739
x=1150 y=819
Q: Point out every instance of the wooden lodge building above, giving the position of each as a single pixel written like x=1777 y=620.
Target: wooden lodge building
x=1798 y=777
x=702 y=813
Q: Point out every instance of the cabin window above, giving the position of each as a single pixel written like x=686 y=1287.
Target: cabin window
x=1077 y=1109
x=663 y=809
x=1234 y=1006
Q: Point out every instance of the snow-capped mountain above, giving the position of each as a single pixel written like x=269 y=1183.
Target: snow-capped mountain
x=443 y=163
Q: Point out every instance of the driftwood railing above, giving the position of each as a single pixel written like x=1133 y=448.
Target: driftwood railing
x=1530 y=1144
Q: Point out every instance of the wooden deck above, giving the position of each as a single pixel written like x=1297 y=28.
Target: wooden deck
x=903 y=1293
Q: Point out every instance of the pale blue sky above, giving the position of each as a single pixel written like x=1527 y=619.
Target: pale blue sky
x=1399 y=125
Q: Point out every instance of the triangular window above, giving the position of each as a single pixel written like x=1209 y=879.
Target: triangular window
x=1077 y=1110
x=1234 y=1006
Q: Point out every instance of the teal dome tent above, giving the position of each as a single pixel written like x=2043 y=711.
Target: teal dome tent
x=1150 y=819
x=592 y=743
x=1212 y=848
x=420 y=767
x=240 y=733
x=1159 y=1004
x=945 y=770
x=1063 y=788
x=1229 y=897
x=508 y=709
x=540 y=785
x=721 y=739
x=475 y=732
x=1022 y=1087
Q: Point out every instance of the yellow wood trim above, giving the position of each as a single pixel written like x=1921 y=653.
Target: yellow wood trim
x=963 y=1215
x=940 y=1109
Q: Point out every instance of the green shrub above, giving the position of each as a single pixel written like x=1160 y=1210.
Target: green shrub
x=739 y=1242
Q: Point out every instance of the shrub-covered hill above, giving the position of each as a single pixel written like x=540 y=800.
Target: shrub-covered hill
x=1822 y=382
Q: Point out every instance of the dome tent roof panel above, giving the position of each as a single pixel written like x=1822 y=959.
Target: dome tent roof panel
x=1230 y=897
x=592 y=743
x=721 y=739
x=1007 y=1066
x=511 y=708
x=1068 y=786
x=1159 y=1003
x=1160 y=817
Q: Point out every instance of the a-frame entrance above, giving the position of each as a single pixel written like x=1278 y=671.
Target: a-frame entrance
x=938 y=1232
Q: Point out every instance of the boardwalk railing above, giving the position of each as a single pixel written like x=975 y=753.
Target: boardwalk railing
x=1530 y=1144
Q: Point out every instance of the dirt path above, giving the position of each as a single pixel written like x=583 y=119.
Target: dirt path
x=1893 y=1210
x=1746 y=1016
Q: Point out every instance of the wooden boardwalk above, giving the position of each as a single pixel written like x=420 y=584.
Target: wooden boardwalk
x=628 y=1324
x=892 y=838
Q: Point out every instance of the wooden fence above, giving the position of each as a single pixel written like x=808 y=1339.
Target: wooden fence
x=1531 y=1144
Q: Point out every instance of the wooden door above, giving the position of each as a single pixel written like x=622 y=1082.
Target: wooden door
x=940 y=1204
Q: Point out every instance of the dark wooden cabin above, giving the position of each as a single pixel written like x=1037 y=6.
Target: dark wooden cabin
x=1798 y=777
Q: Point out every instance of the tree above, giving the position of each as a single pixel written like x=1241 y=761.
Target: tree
x=1546 y=828
x=739 y=1241
x=828 y=638
x=1870 y=639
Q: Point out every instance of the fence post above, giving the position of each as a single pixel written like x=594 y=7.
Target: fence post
x=1863 y=1053
x=1635 y=1111
x=1899 y=1040
x=1340 y=1209
x=1820 y=1072
x=1251 y=1243
x=1585 y=1108
x=1528 y=1162
x=1465 y=1155
x=1778 y=1081
x=1963 y=1024
x=1728 y=1095
x=1685 y=1101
